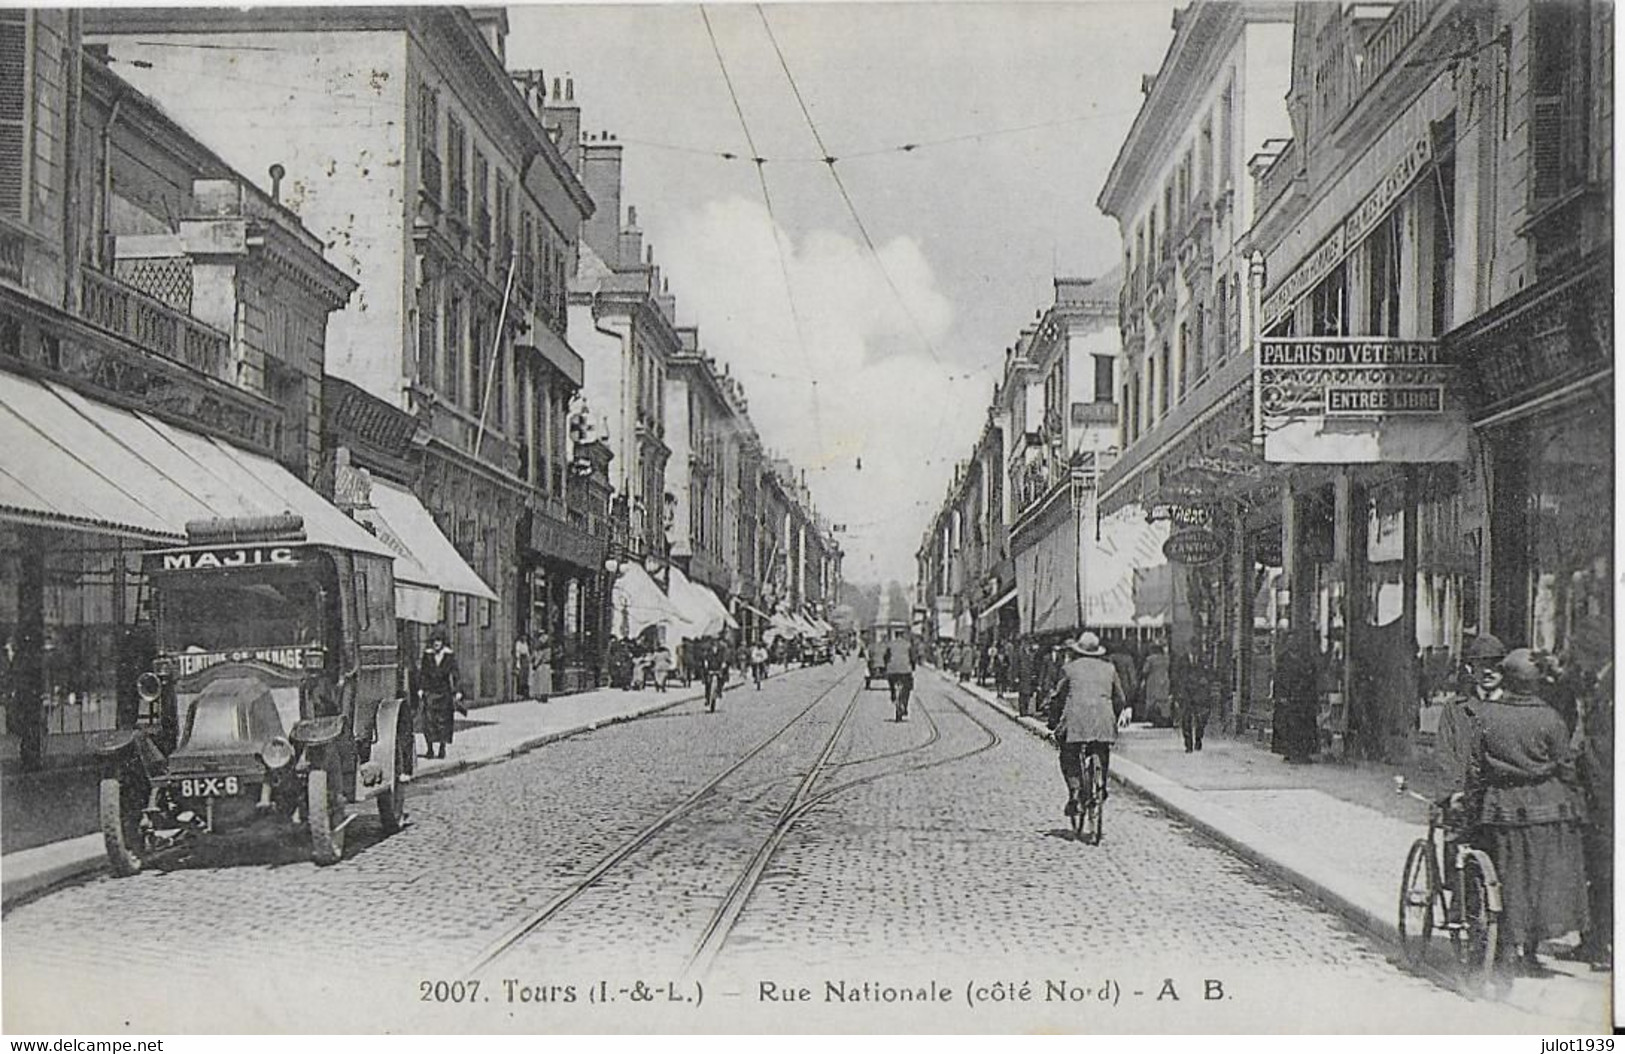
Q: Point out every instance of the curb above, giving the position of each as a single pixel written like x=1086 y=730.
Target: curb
x=1257 y=847
x=30 y=872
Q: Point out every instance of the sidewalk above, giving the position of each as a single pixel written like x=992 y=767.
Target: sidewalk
x=1337 y=832
x=487 y=735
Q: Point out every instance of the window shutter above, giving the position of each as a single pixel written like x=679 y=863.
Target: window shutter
x=14 y=96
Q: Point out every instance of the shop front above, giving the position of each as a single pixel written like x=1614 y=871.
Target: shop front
x=1540 y=369
x=87 y=486
x=560 y=586
x=1211 y=509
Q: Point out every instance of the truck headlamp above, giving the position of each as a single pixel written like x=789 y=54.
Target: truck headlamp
x=148 y=687
x=276 y=753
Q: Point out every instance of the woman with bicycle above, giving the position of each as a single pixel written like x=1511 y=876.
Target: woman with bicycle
x=1523 y=786
x=1083 y=710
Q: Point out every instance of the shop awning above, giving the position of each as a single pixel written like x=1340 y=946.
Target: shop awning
x=702 y=613
x=426 y=562
x=754 y=610
x=72 y=462
x=640 y=603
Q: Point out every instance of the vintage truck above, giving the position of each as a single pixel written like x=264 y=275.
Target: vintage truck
x=276 y=685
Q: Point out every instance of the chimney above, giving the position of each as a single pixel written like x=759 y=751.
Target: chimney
x=630 y=253
x=563 y=117
x=601 y=173
x=493 y=26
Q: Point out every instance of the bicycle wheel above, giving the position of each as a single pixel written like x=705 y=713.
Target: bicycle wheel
x=1418 y=890
x=1097 y=796
x=1088 y=818
x=1474 y=940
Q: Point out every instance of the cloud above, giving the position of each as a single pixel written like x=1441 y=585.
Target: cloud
x=862 y=380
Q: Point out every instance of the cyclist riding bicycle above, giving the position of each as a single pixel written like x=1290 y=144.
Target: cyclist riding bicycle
x=758 y=663
x=1083 y=708
x=714 y=668
x=901 y=658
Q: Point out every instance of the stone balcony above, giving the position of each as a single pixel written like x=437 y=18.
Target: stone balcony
x=151 y=324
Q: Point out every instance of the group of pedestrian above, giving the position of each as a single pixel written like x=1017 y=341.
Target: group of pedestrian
x=533 y=667
x=1536 y=793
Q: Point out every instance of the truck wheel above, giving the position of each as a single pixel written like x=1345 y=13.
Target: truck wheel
x=324 y=815
x=392 y=803
x=121 y=827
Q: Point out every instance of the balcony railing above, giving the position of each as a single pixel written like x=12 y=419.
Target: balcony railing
x=1390 y=39
x=114 y=306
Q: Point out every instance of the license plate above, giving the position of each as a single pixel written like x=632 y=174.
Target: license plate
x=210 y=787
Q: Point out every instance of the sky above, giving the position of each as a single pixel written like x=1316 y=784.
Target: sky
x=867 y=316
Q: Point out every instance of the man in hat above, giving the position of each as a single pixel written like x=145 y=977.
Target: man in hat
x=1083 y=712
x=1458 y=723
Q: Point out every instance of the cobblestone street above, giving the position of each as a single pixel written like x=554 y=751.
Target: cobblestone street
x=929 y=855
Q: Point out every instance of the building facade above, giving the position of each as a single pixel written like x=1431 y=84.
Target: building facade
x=163 y=328
x=1182 y=193
x=435 y=177
x=1431 y=352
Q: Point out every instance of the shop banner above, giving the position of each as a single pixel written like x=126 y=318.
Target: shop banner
x=1357 y=400
x=1047 y=581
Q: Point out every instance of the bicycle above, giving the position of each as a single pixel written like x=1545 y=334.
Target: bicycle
x=714 y=681
x=1089 y=801
x=1467 y=906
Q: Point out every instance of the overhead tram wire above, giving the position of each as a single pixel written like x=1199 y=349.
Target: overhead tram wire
x=883 y=151
x=863 y=229
x=773 y=222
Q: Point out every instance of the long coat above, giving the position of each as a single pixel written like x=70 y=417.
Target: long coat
x=900 y=656
x=439 y=683
x=1524 y=783
x=1297 y=700
x=1084 y=707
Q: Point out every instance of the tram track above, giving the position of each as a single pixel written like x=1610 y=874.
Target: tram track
x=538 y=918
x=807 y=795
x=727 y=915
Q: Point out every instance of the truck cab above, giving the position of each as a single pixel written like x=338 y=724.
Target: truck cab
x=276 y=682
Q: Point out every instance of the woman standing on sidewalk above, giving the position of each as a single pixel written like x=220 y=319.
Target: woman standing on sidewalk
x=1523 y=782
x=438 y=685
x=1297 y=699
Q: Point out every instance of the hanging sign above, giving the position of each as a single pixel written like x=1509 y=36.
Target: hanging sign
x=1181 y=515
x=1339 y=400
x=1194 y=545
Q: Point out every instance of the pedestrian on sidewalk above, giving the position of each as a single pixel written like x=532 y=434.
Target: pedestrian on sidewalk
x=1192 y=692
x=1156 y=688
x=541 y=667
x=1295 y=723
x=1594 y=742
x=1083 y=712
x=1023 y=660
x=521 y=667
x=1128 y=675
x=441 y=692
x=1523 y=775
x=661 y=666
x=1459 y=720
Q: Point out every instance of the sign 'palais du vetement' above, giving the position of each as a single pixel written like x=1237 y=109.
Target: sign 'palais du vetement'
x=1345 y=400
